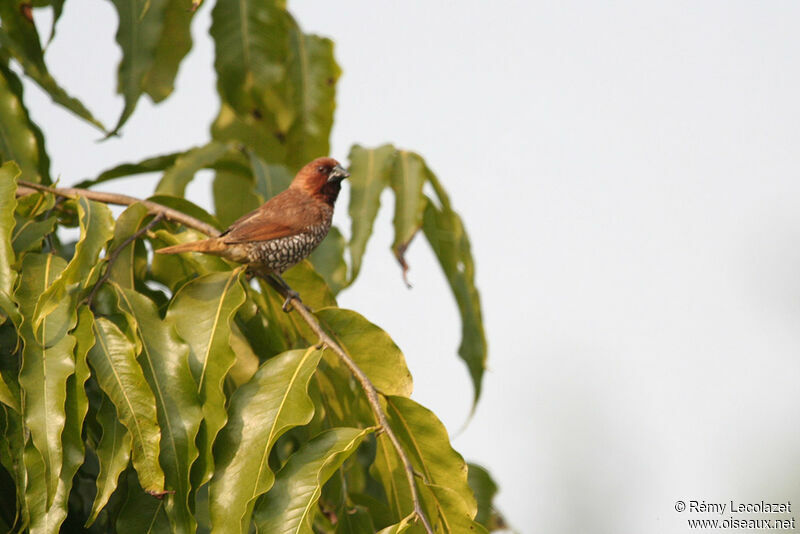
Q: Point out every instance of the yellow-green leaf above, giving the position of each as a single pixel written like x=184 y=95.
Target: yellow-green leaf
x=271 y=403
x=371 y=348
x=290 y=506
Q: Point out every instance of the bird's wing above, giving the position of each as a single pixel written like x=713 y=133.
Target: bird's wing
x=284 y=215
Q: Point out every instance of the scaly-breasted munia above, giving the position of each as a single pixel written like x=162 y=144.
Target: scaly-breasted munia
x=284 y=230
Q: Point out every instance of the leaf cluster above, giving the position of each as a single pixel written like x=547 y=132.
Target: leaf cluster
x=149 y=393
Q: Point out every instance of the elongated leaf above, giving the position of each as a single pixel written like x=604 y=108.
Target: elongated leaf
x=354 y=520
x=408 y=176
x=139 y=33
x=312 y=75
x=484 y=488
x=131 y=262
x=76 y=406
x=35 y=501
x=8 y=203
x=20 y=139
x=12 y=446
x=257 y=129
x=274 y=401
x=269 y=179
x=233 y=195
x=251 y=44
x=426 y=442
x=113 y=453
x=19 y=37
x=371 y=348
x=369 y=176
x=97 y=226
x=290 y=506
x=173 y=45
x=154 y=164
x=47 y=362
x=328 y=260
x=113 y=360
x=166 y=367
x=29 y=234
x=445 y=232
x=203 y=312
x=177 y=177
x=398 y=528
x=453 y=513
x=141 y=513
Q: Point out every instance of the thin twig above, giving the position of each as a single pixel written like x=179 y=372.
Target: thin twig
x=117 y=251
x=291 y=296
x=369 y=390
x=122 y=200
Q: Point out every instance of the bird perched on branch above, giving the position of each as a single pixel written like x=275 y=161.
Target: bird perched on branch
x=284 y=230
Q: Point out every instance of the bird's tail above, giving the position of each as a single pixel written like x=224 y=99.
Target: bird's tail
x=209 y=246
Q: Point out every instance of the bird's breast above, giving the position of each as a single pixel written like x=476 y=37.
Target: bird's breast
x=279 y=254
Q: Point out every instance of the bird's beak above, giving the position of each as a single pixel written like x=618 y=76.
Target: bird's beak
x=338 y=174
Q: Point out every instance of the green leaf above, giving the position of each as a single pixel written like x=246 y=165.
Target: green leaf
x=97 y=226
x=166 y=367
x=154 y=164
x=233 y=195
x=289 y=507
x=202 y=312
x=19 y=37
x=173 y=45
x=12 y=446
x=113 y=453
x=271 y=403
x=453 y=513
x=47 y=361
x=484 y=489
x=408 y=176
x=311 y=76
x=369 y=176
x=425 y=440
x=445 y=232
x=311 y=286
x=328 y=260
x=256 y=129
x=113 y=359
x=29 y=234
x=139 y=33
x=354 y=520
x=20 y=139
x=141 y=513
x=251 y=45
x=178 y=176
x=371 y=348
x=398 y=528
x=76 y=407
x=9 y=173
x=269 y=179
x=131 y=262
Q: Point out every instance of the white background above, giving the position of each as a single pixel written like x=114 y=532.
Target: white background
x=628 y=173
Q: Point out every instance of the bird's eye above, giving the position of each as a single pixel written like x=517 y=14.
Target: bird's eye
x=321 y=168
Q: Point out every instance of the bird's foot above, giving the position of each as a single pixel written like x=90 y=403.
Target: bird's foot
x=287 y=304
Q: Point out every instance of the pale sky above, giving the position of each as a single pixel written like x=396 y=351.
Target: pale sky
x=629 y=176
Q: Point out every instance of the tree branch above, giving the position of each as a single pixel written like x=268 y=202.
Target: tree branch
x=364 y=381
x=26 y=188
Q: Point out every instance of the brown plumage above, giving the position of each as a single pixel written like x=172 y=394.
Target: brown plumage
x=286 y=228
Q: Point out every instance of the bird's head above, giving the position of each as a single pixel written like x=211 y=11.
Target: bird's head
x=321 y=178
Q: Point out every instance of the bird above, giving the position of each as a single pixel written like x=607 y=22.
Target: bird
x=284 y=230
